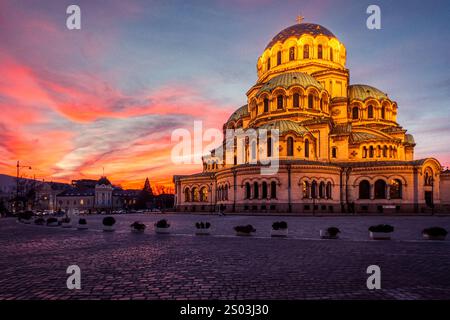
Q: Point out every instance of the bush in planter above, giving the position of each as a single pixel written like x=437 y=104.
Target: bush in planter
x=162 y=224
x=279 y=225
x=82 y=224
x=65 y=220
x=202 y=228
x=434 y=233
x=138 y=226
x=279 y=229
x=330 y=233
x=108 y=223
x=382 y=228
x=25 y=216
x=381 y=231
x=39 y=221
x=52 y=222
x=201 y=225
x=244 y=230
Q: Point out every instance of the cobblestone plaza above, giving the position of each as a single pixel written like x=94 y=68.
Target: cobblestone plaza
x=125 y=265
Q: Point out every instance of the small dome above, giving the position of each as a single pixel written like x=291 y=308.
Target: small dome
x=362 y=92
x=103 y=181
x=238 y=114
x=289 y=79
x=285 y=126
x=297 y=30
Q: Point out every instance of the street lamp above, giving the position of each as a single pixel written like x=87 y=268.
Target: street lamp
x=18 y=166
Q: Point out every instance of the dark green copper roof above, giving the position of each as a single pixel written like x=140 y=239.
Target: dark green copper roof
x=289 y=79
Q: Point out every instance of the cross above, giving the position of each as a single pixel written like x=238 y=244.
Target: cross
x=300 y=19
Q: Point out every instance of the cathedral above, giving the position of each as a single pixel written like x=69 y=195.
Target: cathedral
x=339 y=146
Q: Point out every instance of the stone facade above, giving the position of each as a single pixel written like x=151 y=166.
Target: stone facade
x=338 y=146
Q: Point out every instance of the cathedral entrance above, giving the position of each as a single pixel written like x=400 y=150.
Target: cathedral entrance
x=429 y=199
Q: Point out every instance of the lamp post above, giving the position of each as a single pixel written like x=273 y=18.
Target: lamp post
x=18 y=166
x=432 y=195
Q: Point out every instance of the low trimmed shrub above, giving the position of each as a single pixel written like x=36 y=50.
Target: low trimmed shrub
x=82 y=221
x=279 y=225
x=109 y=221
x=162 y=224
x=333 y=231
x=245 y=229
x=137 y=225
x=385 y=228
x=39 y=221
x=203 y=225
x=52 y=220
x=435 y=232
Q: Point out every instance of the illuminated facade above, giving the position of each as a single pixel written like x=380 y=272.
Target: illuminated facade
x=340 y=146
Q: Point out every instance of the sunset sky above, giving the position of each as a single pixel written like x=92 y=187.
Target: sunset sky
x=110 y=95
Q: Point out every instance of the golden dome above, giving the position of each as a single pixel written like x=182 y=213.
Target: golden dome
x=297 y=30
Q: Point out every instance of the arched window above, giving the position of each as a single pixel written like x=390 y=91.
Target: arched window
x=264 y=190
x=310 y=101
x=385 y=151
x=290 y=146
x=329 y=190
x=383 y=112
x=291 y=53
x=266 y=105
x=268 y=64
x=379 y=151
x=203 y=194
x=355 y=113
x=226 y=192
x=305 y=189
x=280 y=102
x=195 y=194
x=395 y=189
x=380 y=189
x=334 y=152
x=278 y=58
x=331 y=54
x=273 y=190
x=321 y=104
x=187 y=197
x=269 y=147
x=371 y=152
x=364 y=190
x=364 y=155
x=248 y=191
x=314 y=189
x=306 y=148
x=306 y=51
x=370 y=112
x=296 y=100
x=319 y=52
x=322 y=190
x=255 y=190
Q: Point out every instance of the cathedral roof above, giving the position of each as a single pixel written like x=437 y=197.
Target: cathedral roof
x=103 y=181
x=239 y=113
x=363 y=92
x=289 y=79
x=297 y=30
x=285 y=126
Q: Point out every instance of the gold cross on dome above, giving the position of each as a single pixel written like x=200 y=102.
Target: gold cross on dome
x=300 y=19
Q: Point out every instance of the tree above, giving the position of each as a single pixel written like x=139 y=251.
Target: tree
x=145 y=199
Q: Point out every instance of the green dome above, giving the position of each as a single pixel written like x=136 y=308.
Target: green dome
x=289 y=79
x=362 y=92
x=285 y=126
x=238 y=114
